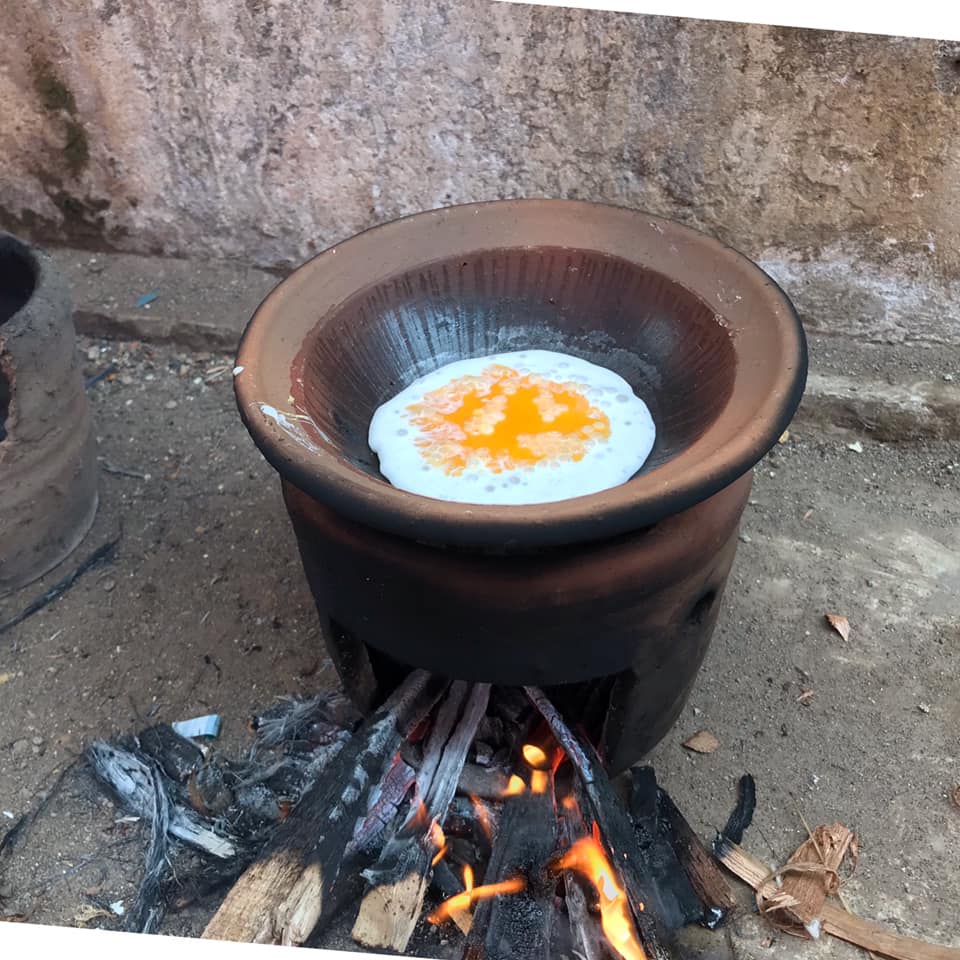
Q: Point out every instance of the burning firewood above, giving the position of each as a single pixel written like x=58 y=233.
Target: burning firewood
x=518 y=925
x=616 y=829
x=586 y=931
x=283 y=895
x=389 y=912
x=392 y=813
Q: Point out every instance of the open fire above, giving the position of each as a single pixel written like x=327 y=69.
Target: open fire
x=480 y=811
x=585 y=858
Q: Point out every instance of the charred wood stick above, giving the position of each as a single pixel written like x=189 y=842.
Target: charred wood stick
x=587 y=935
x=474 y=821
x=437 y=780
x=519 y=923
x=140 y=786
x=742 y=815
x=446 y=883
x=479 y=781
x=517 y=926
x=445 y=880
x=292 y=886
x=386 y=808
x=665 y=870
x=103 y=554
x=698 y=863
x=616 y=829
x=626 y=856
x=442 y=730
x=390 y=911
x=565 y=736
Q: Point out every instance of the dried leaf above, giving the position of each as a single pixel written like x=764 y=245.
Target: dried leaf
x=88 y=914
x=839 y=623
x=955 y=796
x=703 y=741
x=805 y=697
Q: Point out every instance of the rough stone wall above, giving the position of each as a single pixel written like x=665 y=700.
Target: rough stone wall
x=267 y=130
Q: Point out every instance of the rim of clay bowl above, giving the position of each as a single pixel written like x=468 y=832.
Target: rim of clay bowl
x=768 y=384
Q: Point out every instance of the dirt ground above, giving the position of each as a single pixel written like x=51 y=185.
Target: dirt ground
x=205 y=609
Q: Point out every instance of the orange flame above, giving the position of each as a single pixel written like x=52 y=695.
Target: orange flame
x=587 y=858
x=558 y=757
x=439 y=840
x=463 y=901
x=536 y=757
x=515 y=786
x=467 y=877
x=538 y=781
x=420 y=818
x=483 y=816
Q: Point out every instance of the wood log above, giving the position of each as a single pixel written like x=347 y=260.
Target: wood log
x=517 y=926
x=389 y=912
x=616 y=829
x=291 y=888
x=386 y=808
x=675 y=898
x=699 y=864
x=475 y=781
x=584 y=927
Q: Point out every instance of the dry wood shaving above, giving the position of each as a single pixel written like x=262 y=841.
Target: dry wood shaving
x=839 y=623
x=703 y=741
x=837 y=921
x=805 y=696
x=792 y=897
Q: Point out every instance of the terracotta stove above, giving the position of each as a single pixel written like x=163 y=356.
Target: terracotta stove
x=608 y=601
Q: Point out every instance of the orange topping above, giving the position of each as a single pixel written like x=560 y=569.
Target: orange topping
x=504 y=420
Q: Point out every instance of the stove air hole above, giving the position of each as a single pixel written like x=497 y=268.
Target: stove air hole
x=701 y=609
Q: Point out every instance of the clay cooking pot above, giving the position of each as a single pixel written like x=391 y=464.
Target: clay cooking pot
x=623 y=584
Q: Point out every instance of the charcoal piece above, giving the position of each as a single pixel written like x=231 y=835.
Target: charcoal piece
x=412 y=754
x=177 y=756
x=258 y=804
x=742 y=815
x=209 y=791
x=491 y=730
x=482 y=754
x=445 y=880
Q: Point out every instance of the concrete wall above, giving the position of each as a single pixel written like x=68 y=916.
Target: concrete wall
x=267 y=130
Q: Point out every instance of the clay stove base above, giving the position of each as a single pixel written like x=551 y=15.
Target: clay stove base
x=615 y=630
x=48 y=453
